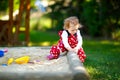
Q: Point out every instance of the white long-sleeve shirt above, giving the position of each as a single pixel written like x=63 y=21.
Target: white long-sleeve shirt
x=65 y=39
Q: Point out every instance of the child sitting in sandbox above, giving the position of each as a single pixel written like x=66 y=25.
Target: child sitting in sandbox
x=70 y=40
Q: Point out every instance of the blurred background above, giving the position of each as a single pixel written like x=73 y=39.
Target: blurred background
x=101 y=29
x=100 y=18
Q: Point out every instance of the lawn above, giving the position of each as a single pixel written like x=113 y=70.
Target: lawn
x=41 y=38
x=103 y=56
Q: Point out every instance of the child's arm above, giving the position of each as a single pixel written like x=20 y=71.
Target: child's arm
x=79 y=41
x=65 y=41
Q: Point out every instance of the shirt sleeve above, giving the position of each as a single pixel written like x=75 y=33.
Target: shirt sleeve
x=65 y=39
x=79 y=39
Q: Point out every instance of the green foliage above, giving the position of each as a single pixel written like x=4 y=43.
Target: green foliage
x=16 y=4
x=3 y=5
x=91 y=16
x=32 y=3
x=60 y=11
x=99 y=17
x=116 y=35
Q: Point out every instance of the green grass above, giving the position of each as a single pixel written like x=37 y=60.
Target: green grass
x=41 y=38
x=103 y=56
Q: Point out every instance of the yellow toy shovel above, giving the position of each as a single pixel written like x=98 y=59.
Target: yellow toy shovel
x=22 y=60
x=10 y=60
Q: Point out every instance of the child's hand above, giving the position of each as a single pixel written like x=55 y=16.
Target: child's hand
x=70 y=49
x=73 y=49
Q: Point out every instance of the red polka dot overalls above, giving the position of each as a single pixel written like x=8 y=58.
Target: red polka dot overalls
x=72 y=40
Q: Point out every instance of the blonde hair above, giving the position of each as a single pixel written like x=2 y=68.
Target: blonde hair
x=71 y=21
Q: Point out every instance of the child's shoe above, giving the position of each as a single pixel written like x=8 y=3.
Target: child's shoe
x=50 y=57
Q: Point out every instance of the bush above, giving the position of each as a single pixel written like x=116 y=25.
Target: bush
x=116 y=35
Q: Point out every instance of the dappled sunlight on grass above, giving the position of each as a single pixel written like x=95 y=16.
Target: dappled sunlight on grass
x=39 y=44
x=93 y=71
x=101 y=45
x=110 y=42
x=41 y=38
x=102 y=62
x=45 y=43
x=116 y=43
x=105 y=42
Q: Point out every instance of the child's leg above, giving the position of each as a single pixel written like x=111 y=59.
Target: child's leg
x=81 y=54
x=56 y=50
x=54 y=53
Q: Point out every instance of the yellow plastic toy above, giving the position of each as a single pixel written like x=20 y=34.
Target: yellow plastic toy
x=10 y=60
x=22 y=60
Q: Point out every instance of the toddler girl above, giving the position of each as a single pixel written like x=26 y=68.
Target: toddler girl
x=70 y=40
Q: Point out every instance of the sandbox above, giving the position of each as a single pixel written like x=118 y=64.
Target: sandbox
x=66 y=67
